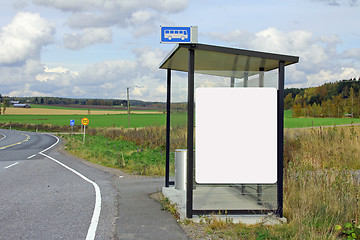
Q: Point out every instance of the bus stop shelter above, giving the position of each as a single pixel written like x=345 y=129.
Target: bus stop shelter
x=242 y=68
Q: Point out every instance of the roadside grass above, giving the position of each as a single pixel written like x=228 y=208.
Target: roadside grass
x=121 y=154
x=137 y=151
x=321 y=189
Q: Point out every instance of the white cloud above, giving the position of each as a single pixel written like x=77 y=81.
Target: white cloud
x=20 y=4
x=272 y=40
x=77 y=91
x=139 y=17
x=69 y=5
x=117 y=71
x=161 y=89
x=24 y=38
x=87 y=37
x=149 y=59
x=331 y=76
x=58 y=74
x=142 y=16
x=351 y=3
x=143 y=22
x=114 y=5
x=139 y=91
x=353 y=53
x=319 y=59
x=24 y=90
x=13 y=76
x=301 y=43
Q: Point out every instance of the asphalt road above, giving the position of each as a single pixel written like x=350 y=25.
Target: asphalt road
x=48 y=194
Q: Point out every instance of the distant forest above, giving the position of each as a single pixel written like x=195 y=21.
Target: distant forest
x=80 y=102
x=338 y=99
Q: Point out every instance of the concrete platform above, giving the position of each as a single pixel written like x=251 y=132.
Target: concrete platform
x=223 y=198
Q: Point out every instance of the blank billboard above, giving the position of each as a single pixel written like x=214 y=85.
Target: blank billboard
x=236 y=135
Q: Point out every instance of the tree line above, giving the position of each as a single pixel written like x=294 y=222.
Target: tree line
x=4 y=100
x=338 y=99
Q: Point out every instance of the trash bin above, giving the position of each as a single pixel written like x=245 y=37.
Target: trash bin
x=180 y=169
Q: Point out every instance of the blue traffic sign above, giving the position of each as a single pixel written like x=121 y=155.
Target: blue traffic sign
x=72 y=122
x=178 y=34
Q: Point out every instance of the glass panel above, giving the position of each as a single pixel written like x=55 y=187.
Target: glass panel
x=241 y=78
x=178 y=118
x=234 y=196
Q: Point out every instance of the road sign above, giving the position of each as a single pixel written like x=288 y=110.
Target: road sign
x=72 y=122
x=85 y=121
x=170 y=34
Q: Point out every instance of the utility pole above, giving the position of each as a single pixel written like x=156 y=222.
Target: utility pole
x=128 y=105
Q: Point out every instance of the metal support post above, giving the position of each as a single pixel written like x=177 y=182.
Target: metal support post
x=168 y=101
x=280 y=156
x=246 y=79
x=232 y=82
x=190 y=135
x=261 y=77
x=128 y=105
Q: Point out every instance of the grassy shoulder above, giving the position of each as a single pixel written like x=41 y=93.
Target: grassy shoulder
x=321 y=188
x=122 y=154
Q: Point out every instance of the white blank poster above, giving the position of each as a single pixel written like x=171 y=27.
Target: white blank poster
x=236 y=135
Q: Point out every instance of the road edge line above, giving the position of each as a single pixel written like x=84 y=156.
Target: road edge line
x=97 y=209
x=11 y=165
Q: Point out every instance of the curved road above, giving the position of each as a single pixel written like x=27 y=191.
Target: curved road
x=44 y=197
x=46 y=194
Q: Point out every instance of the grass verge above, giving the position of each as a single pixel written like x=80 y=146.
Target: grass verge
x=122 y=154
x=321 y=190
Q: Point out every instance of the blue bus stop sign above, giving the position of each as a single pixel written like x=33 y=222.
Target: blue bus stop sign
x=72 y=122
x=178 y=34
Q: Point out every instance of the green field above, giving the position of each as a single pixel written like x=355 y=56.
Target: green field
x=113 y=120
x=142 y=120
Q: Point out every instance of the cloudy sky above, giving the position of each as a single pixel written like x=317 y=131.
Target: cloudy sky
x=97 y=48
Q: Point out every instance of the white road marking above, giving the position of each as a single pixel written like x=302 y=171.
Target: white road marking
x=3 y=136
x=96 y=214
x=31 y=156
x=11 y=165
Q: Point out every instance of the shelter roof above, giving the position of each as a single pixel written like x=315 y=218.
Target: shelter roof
x=224 y=61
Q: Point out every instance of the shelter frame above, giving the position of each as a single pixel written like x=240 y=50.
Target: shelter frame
x=254 y=61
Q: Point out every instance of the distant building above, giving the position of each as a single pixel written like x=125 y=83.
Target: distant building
x=19 y=105
x=14 y=102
